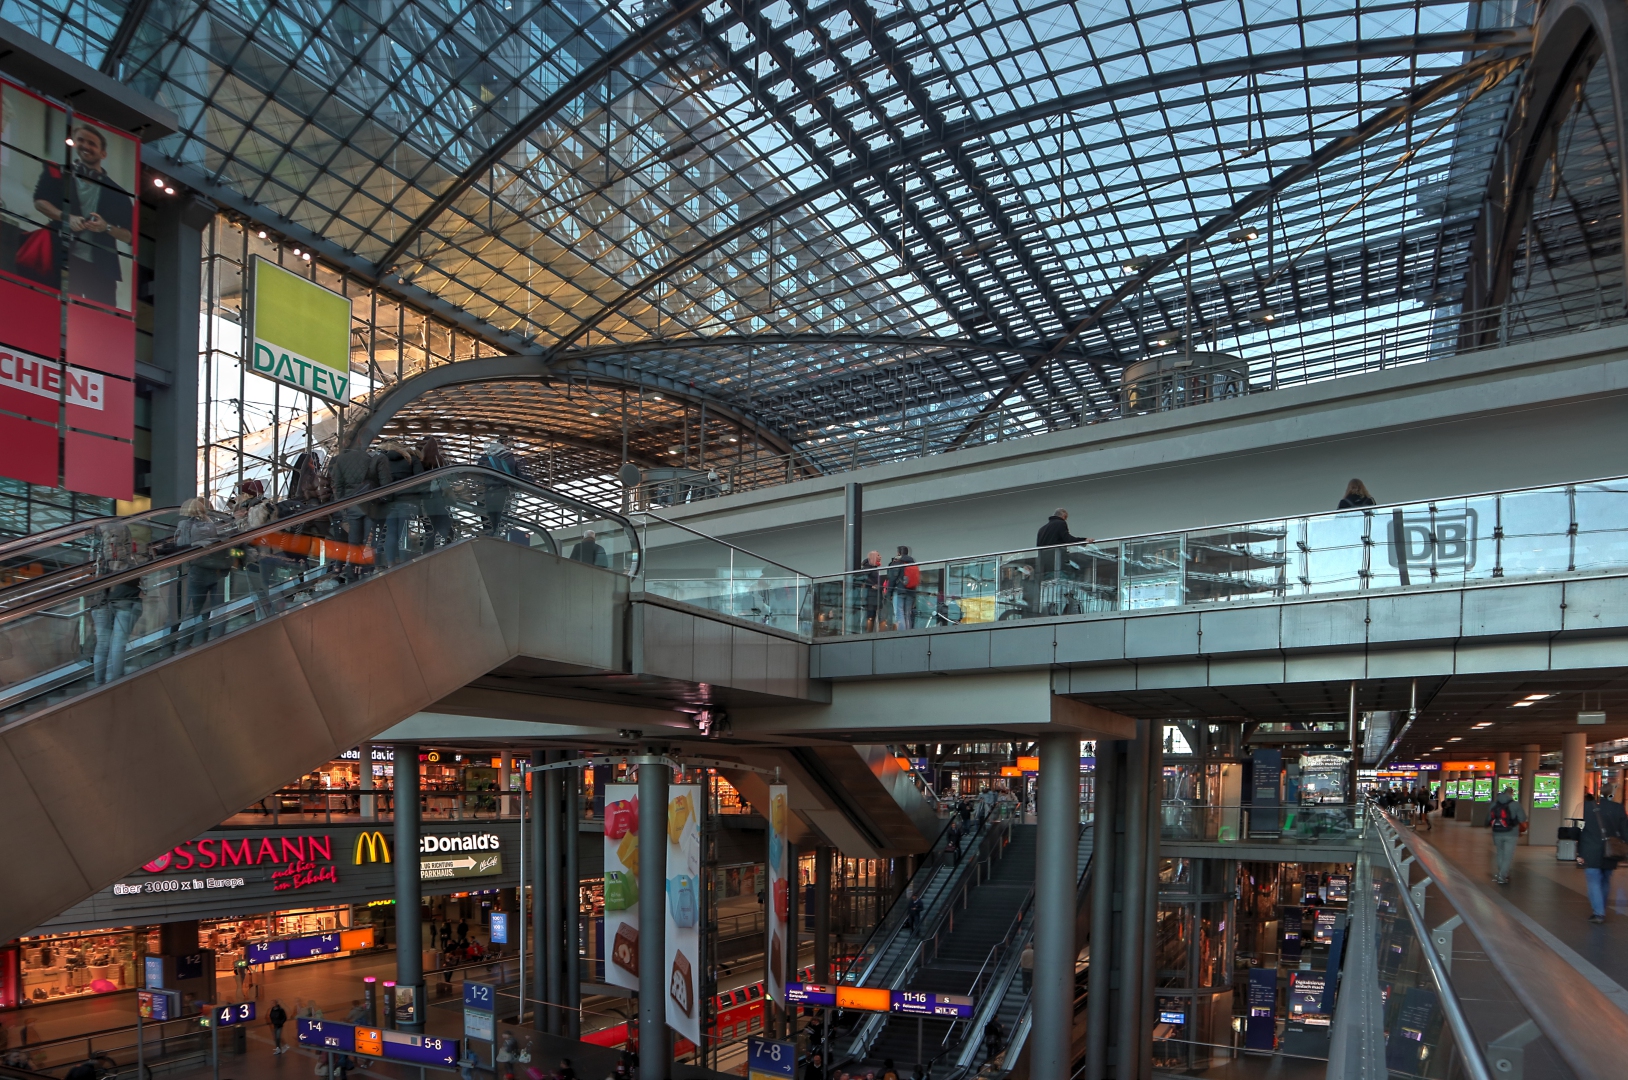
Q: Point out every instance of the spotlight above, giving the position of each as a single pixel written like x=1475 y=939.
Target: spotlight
x=1244 y=235
x=296 y=251
x=261 y=234
x=306 y=256
x=69 y=140
x=169 y=191
x=1264 y=315
x=656 y=397
x=1138 y=264
x=158 y=181
x=595 y=412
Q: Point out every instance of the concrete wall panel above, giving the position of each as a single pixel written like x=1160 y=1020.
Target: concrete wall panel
x=1409 y=663
x=1240 y=630
x=1415 y=616
x=1323 y=624
x=1599 y=604
x=895 y=655
x=1022 y=646
x=1514 y=609
x=1090 y=641
x=1161 y=635
x=1477 y=657
x=847 y=659
x=962 y=650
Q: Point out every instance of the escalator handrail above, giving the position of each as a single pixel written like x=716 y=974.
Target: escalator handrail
x=21 y=546
x=991 y=1004
x=248 y=536
x=979 y=835
x=902 y=898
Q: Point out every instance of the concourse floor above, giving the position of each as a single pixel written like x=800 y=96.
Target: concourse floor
x=1550 y=898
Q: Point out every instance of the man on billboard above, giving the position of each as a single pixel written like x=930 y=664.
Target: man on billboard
x=100 y=215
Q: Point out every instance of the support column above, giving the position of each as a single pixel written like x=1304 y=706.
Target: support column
x=1573 y=773
x=1500 y=768
x=364 y=779
x=409 y=889
x=573 y=902
x=1531 y=762
x=553 y=908
x=1133 y=866
x=822 y=915
x=538 y=856
x=655 y=1057
x=505 y=772
x=794 y=925
x=178 y=226
x=1056 y=851
x=1105 y=878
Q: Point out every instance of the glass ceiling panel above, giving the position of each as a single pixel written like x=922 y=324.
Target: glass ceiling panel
x=869 y=208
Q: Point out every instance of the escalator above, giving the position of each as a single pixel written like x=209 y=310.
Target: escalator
x=896 y=951
x=43 y=563
x=139 y=708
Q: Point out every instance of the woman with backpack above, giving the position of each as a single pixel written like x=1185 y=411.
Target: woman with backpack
x=115 y=612
x=436 y=515
x=903 y=579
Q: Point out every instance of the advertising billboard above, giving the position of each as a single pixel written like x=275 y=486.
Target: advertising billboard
x=1546 y=791
x=68 y=235
x=777 y=899
x=301 y=332
x=683 y=887
x=622 y=884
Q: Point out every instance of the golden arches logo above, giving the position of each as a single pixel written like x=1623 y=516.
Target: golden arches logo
x=378 y=849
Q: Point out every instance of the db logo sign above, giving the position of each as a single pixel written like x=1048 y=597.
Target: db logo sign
x=1434 y=542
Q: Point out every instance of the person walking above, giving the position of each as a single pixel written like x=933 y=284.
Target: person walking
x=495 y=498
x=1605 y=829
x=903 y=577
x=1026 y=965
x=869 y=586
x=436 y=514
x=1053 y=558
x=197 y=528
x=1505 y=819
x=115 y=612
x=1356 y=496
x=1424 y=799
x=913 y=914
x=277 y=1017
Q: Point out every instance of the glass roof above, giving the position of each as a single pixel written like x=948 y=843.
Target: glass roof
x=839 y=216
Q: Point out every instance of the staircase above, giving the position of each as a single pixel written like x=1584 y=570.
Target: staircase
x=962 y=950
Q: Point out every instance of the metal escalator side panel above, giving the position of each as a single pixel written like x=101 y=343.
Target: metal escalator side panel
x=118 y=773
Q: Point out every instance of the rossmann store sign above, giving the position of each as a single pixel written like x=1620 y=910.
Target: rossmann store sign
x=231 y=872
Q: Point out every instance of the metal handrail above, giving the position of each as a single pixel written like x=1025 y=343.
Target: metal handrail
x=1475 y=1061
x=248 y=537
x=847 y=974
x=716 y=540
x=1585 y=1027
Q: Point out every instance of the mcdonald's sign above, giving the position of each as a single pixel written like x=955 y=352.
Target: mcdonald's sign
x=374 y=844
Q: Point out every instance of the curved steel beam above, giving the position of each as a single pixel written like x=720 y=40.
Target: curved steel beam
x=542 y=114
x=752 y=341
x=1572 y=35
x=527 y=431
x=871 y=165
x=1488 y=72
x=508 y=368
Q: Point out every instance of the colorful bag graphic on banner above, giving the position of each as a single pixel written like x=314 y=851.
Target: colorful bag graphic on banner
x=622 y=885
x=777 y=897
x=684 y=911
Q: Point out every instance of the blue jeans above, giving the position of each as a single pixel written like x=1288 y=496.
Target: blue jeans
x=1599 y=888
x=112 y=622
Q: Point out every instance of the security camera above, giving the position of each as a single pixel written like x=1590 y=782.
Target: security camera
x=629 y=733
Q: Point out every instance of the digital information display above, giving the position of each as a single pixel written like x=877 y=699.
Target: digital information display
x=1545 y=791
x=1483 y=789
x=1339 y=888
x=876 y=999
x=303 y=948
x=373 y=1042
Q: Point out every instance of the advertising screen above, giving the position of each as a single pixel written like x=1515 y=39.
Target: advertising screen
x=1483 y=789
x=1546 y=791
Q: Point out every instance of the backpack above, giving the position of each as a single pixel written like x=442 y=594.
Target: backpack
x=912 y=576
x=1501 y=816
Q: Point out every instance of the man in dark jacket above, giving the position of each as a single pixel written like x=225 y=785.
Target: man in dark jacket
x=1601 y=818
x=1054 y=532
x=587 y=550
x=351 y=473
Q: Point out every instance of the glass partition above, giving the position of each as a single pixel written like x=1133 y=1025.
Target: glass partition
x=178 y=583
x=1557 y=530
x=693 y=568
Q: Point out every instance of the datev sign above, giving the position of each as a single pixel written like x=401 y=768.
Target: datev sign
x=301 y=332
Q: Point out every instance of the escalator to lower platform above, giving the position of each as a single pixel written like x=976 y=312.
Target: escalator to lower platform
x=143 y=706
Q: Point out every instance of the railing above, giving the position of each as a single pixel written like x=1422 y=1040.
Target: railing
x=1275 y=353
x=35 y=565
x=75 y=638
x=1528 y=532
x=700 y=570
x=1276 y=824
x=1534 y=1011
x=893 y=921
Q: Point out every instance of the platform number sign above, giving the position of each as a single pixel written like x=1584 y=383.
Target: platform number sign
x=767 y=1060
x=481 y=996
x=227 y=1015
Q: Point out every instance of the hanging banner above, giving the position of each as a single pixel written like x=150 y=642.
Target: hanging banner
x=777 y=897
x=684 y=910
x=622 y=885
x=301 y=332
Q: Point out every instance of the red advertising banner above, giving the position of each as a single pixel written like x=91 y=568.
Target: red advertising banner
x=68 y=228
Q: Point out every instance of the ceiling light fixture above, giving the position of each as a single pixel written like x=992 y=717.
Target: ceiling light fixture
x=1264 y=315
x=1140 y=263
x=169 y=191
x=1482 y=724
x=1529 y=700
x=1244 y=235
x=1456 y=738
x=158 y=181
x=306 y=256
x=262 y=234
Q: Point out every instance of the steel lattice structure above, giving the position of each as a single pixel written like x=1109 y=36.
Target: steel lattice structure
x=859 y=229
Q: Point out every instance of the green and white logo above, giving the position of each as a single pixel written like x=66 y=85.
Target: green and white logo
x=301 y=333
